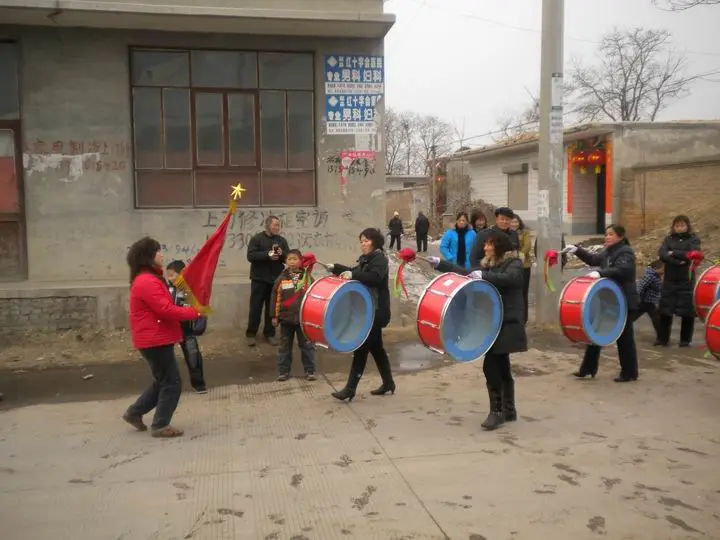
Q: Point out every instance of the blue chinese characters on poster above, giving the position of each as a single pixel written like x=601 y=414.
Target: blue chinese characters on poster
x=354 y=85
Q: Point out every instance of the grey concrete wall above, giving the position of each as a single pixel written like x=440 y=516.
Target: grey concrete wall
x=357 y=6
x=75 y=88
x=661 y=144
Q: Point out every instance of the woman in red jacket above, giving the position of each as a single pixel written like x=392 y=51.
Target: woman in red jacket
x=155 y=329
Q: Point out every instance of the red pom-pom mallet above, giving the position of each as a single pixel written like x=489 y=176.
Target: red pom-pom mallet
x=406 y=255
x=551 y=259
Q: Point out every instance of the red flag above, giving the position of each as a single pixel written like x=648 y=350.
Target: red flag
x=196 y=279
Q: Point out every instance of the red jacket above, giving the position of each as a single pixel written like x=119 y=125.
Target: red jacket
x=154 y=318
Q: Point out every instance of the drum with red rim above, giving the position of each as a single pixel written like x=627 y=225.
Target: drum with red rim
x=593 y=311
x=707 y=291
x=337 y=313
x=459 y=316
x=712 y=330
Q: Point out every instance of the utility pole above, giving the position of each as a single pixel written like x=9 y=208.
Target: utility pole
x=550 y=188
x=433 y=186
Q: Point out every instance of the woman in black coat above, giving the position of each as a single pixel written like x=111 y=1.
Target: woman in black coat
x=616 y=262
x=372 y=271
x=676 y=297
x=502 y=268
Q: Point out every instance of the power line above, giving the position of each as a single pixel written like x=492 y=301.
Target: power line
x=468 y=15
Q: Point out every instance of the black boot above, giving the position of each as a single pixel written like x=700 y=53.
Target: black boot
x=350 y=387
x=495 y=418
x=509 y=409
x=388 y=384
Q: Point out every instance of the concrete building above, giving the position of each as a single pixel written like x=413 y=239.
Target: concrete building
x=645 y=172
x=403 y=181
x=119 y=120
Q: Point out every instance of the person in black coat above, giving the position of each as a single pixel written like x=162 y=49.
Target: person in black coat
x=266 y=253
x=678 y=286
x=373 y=271
x=478 y=221
x=616 y=262
x=503 y=217
x=396 y=230
x=502 y=268
x=422 y=228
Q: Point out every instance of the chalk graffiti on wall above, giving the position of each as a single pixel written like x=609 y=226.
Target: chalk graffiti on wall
x=70 y=159
x=361 y=163
x=181 y=252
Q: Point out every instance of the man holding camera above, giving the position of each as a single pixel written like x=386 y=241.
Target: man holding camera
x=266 y=253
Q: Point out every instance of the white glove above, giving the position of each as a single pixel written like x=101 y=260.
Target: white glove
x=347 y=274
x=271 y=253
x=476 y=274
x=594 y=274
x=571 y=249
x=329 y=267
x=433 y=261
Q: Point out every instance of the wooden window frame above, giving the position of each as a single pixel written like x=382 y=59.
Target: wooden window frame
x=257 y=131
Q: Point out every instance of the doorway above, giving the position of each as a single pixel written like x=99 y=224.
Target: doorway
x=600 y=181
x=13 y=258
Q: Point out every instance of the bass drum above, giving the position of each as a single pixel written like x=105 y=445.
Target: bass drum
x=712 y=330
x=593 y=311
x=459 y=316
x=707 y=291
x=337 y=314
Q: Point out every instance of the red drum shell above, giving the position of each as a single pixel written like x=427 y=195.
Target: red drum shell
x=576 y=320
x=312 y=309
x=712 y=330
x=707 y=291
x=431 y=307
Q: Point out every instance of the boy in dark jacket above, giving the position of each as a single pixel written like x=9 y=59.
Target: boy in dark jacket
x=648 y=288
x=285 y=303
x=189 y=344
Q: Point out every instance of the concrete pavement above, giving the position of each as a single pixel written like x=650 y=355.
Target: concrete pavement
x=588 y=459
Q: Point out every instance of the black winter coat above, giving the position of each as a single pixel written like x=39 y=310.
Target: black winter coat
x=617 y=263
x=395 y=225
x=507 y=277
x=373 y=271
x=676 y=297
x=422 y=226
x=262 y=267
x=477 y=254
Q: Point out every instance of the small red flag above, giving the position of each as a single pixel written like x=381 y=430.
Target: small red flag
x=196 y=279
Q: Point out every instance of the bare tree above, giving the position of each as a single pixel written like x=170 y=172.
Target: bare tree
x=409 y=140
x=637 y=75
x=393 y=141
x=682 y=5
x=432 y=133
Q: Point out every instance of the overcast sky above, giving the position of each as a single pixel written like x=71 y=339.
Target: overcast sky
x=472 y=59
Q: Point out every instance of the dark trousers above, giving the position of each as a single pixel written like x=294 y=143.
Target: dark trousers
x=164 y=393
x=526 y=291
x=395 y=238
x=373 y=345
x=687 y=329
x=652 y=311
x=421 y=243
x=496 y=368
x=260 y=293
x=627 y=352
x=307 y=349
x=194 y=361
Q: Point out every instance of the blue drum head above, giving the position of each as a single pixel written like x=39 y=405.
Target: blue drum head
x=349 y=317
x=472 y=321
x=604 y=312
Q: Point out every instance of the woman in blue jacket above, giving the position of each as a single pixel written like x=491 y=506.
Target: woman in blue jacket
x=457 y=243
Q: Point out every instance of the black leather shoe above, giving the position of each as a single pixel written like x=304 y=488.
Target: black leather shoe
x=624 y=378
x=384 y=389
x=345 y=393
x=581 y=375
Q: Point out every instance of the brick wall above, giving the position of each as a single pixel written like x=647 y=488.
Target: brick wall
x=648 y=196
x=48 y=313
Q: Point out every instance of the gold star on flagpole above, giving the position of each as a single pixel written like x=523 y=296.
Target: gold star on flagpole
x=237 y=192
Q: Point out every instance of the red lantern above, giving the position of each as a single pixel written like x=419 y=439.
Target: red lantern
x=580 y=159
x=596 y=158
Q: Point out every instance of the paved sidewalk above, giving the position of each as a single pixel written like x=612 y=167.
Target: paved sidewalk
x=588 y=459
